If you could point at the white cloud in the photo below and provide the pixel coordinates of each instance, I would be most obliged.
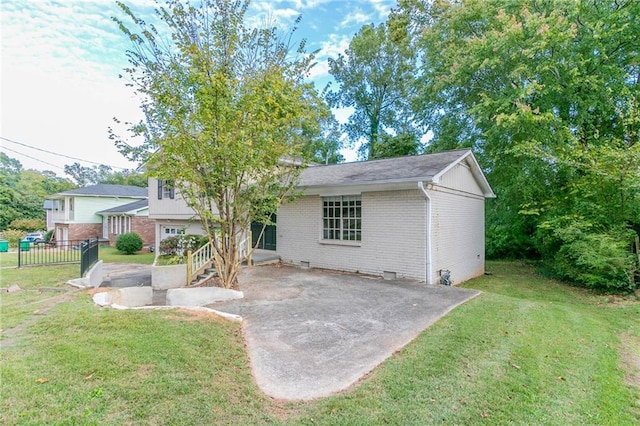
(263, 14)
(60, 86)
(335, 45)
(356, 17)
(382, 7)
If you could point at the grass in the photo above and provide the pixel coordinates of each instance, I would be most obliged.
(528, 351)
(112, 255)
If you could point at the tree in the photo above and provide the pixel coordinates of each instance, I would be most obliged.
(547, 94)
(324, 143)
(22, 192)
(225, 109)
(396, 146)
(92, 175)
(375, 77)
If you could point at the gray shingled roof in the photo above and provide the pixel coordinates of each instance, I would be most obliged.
(106, 190)
(125, 208)
(400, 169)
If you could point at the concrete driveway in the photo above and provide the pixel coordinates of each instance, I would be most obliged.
(311, 333)
(126, 275)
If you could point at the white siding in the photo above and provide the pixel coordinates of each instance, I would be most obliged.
(393, 235)
(461, 179)
(167, 208)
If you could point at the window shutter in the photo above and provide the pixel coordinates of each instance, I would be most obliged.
(160, 181)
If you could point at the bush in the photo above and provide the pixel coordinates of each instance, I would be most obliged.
(27, 225)
(129, 243)
(180, 244)
(13, 236)
(48, 235)
(598, 259)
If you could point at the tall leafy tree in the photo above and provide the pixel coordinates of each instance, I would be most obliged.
(92, 175)
(547, 93)
(226, 107)
(375, 77)
(22, 192)
(324, 141)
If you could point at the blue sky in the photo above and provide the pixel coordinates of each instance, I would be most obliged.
(61, 59)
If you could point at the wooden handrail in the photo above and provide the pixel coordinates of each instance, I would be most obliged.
(198, 260)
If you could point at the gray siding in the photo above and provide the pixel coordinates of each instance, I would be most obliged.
(393, 235)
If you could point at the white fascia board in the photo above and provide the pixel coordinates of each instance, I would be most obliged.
(358, 188)
(475, 170)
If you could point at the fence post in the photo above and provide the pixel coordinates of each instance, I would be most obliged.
(189, 266)
(19, 253)
(250, 248)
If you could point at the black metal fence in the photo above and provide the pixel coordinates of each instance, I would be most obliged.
(85, 252)
(89, 253)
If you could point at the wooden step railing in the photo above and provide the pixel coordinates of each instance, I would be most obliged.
(202, 258)
(198, 261)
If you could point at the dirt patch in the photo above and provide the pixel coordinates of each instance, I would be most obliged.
(630, 354)
(192, 315)
(96, 290)
(11, 336)
(145, 370)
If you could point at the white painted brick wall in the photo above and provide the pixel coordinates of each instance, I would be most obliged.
(393, 235)
(457, 235)
(394, 232)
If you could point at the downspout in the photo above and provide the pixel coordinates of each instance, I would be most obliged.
(428, 242)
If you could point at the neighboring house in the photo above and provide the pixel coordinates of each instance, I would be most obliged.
(48, 208)
(412, 217)
(75, 212)
(132, 217)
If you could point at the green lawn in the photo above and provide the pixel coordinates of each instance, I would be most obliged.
(528, 351)
(112, 255)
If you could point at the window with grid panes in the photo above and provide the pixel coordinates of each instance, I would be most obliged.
(342, 218)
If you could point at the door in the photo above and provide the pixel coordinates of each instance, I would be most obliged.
(268, 240)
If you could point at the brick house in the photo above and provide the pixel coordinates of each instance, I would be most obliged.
(413, 217)
(75, 213)
(131, 217)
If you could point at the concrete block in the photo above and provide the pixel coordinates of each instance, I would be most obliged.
(165, 277)
(95, 275)
(200, 296)
(128, 296)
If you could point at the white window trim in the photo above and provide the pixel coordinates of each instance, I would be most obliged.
(341, 230)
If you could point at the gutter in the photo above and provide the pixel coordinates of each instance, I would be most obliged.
(428, 242)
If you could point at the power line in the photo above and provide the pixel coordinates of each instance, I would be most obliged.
(55, 153)
(33, 158)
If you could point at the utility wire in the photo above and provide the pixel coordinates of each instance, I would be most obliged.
(55, 153)
(33, 158)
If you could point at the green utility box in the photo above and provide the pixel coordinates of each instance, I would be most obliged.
(4, 246)
(24, 245)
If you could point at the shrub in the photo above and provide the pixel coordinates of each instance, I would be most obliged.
(48, 235)
(591, 257)
(179, 244)
(129, 243)
(27, 225)
(13, 236)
